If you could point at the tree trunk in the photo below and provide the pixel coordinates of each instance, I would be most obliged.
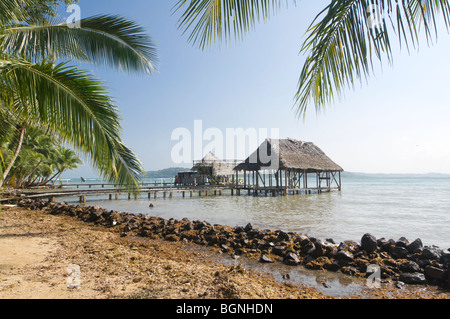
(56, 179)
(27, 179)
(19, 146)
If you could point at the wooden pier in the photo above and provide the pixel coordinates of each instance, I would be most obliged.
(299, 168)
(83, 192)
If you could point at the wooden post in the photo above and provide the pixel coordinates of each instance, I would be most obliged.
(110, 196)
(191, 193)
(245, 179)
(184, 195)
(340, 188)
(171, 195)
(117, 196)
(155, 196)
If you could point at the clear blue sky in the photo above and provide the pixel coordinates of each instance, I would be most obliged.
(396, 123)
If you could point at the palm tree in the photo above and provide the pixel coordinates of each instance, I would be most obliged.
(343, 41)
(66, 160)
(67, 101)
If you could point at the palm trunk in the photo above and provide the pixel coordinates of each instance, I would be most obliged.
(27, 179)
(19, 146)
(56, 179)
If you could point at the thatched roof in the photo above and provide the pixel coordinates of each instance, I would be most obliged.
(211, 158)
(217, 166)
(290, 154)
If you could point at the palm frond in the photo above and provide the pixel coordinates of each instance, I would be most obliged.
(344, 42)
(210, 21)
(104, 40)
(74, 105)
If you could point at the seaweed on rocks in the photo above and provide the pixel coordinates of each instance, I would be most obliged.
(409, 262)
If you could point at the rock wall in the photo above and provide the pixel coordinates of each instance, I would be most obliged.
(401, 260)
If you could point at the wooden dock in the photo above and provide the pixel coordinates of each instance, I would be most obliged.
(81, 192)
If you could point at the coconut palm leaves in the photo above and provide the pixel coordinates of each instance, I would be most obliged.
(211, 21)
(346, 38)
(65, 100)
(103, 40)
(343, 42)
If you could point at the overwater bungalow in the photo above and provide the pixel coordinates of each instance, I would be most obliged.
(288, 166)
(214, 169)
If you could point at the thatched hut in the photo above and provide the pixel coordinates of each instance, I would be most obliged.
(214, 168)
(286, 165)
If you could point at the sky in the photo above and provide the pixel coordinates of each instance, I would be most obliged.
(395, 122)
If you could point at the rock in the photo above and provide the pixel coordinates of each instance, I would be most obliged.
(320, 249)
(283, 236)
(400, 285)
(388, 245)
(402, 242)
(279, 250)
(248, 227)
(434, 273)
(413, 278)
(369, 243)
(308, 247)
(445, 259)
(344, 255)
(331, 251)
(432, 253)
(410, 267)
(382, 241)
(330, 240)
(399, 252)
(416, 244)
(291, 259)
(265, 259)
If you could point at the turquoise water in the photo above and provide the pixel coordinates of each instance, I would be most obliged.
(385, 206)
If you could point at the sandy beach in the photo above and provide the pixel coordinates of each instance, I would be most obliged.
(37, 248)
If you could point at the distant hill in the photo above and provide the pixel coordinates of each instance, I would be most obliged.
(166, 173)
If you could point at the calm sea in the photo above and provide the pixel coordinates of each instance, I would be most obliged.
(385, 206)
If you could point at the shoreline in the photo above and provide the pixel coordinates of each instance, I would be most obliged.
(39, 248)
(265, 246)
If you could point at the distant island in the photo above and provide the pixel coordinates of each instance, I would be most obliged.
(166, 173)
